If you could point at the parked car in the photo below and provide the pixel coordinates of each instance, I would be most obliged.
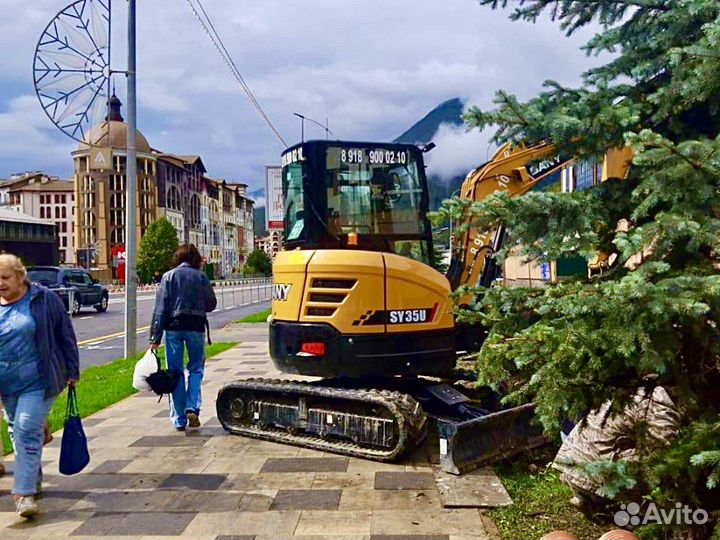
(86, 290)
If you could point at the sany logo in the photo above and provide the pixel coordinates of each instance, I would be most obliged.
(281, 291)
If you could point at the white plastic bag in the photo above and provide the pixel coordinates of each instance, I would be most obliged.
(144, 367)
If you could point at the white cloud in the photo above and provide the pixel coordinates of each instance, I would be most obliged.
(457, 151)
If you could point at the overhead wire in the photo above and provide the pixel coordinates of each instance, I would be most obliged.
(212, 33)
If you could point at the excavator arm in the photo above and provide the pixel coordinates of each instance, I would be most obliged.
(514, 170)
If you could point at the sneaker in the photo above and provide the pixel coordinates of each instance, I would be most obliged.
(26, 506)
(179, 428)
(2, 469)
(193, 420)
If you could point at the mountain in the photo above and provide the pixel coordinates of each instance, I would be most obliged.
(423, 131)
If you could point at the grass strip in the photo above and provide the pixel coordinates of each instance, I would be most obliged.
(540, 501)
(102, 386)
(259, 317)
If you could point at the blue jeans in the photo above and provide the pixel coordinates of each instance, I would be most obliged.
(186, 398)
(26, 414)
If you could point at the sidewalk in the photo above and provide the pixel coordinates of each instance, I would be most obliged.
(146, 481)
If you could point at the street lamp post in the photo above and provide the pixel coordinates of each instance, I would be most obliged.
(131, 196)
(302, 126)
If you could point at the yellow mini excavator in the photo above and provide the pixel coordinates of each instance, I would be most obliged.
(357, 303)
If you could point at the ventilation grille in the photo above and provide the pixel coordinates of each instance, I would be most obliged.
(326, 295)
(323, 283)
(321, 311)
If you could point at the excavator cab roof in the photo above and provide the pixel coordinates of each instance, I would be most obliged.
(345, 195)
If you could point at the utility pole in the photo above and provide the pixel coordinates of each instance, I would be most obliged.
(131, 196)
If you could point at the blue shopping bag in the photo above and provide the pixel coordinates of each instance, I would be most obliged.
(74, 455)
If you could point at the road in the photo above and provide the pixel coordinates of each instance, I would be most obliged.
(101, 335)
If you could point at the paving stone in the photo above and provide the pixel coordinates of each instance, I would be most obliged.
(222, 369)
(306, 499)
(465, 523)
(51, 500)
(111, 466)
(206, 431)
(233, 465)
(334, 523)
(87, 482)
(378, 499)
(126, 501)
(204, 501)
(168, 441)
(477, 489)
(300, 464)
(409, 537)
(344, 480)
(254, 482)
(92, 421)
(194, 481)
(258, 501)
(255, 362)
(44, 526)
(162, 414)
(404, 480)
(257, 373)
(136, 524)
(234, 537)
(271, 524)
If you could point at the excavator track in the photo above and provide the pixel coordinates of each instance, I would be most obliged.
(366, 423)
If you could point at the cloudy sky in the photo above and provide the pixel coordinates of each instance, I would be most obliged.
(372, 68)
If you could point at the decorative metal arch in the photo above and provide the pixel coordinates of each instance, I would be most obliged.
(71, 69)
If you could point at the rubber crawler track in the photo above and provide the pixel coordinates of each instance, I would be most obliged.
(409, 417)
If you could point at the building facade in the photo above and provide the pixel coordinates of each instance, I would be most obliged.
(270, 244)
(201, 209)
(46, 198)
(32, 239)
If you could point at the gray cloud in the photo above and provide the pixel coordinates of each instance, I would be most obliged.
(371, 68)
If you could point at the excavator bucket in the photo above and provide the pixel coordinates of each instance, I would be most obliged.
(469, 444)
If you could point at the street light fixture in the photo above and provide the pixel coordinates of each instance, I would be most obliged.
(302, 126)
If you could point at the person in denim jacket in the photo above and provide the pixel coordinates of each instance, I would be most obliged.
(184, 297)
(38, 358)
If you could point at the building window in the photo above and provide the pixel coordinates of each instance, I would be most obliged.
(64, 212)
(57, 212)
(42, 212)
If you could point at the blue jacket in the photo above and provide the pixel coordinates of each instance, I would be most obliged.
(56, 342)
(183, 291)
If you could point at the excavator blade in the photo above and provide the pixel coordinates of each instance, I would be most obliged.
(467, 445)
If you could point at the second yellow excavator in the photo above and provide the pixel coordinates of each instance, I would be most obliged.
(357, 302)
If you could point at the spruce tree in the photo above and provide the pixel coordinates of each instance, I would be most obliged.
(572, 346)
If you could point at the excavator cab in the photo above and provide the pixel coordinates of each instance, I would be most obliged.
(364, 196)
(355, 294)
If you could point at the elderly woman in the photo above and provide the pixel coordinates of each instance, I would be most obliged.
(184, 298)
(38, 358)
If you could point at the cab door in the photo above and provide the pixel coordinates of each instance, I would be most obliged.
(92, 291)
